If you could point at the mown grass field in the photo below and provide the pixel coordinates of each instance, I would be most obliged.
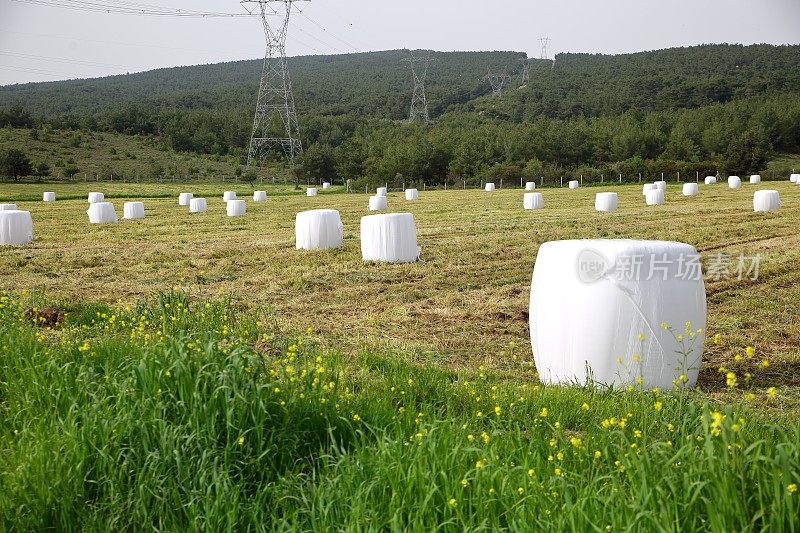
(312, 391)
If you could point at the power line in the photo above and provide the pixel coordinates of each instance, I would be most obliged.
(328, 32)
(122, 7)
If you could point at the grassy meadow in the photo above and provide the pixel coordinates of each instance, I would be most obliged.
(208, 376)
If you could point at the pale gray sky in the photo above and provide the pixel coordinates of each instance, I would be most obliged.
(44, 43)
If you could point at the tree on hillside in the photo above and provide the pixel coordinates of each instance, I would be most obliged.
(14, 163)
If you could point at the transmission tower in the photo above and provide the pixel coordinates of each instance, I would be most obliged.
(419, 102)
(275, 122)
(526, 70)
(497, 81)
(545, 41)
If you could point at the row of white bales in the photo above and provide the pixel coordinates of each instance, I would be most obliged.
(610, 316)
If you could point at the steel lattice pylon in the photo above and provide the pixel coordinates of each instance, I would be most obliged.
(526, 70)
(497, 81)
(419, 101)
(275, 122)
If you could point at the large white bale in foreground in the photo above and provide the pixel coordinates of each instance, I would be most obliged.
(16, 227)
(390, 238)
(133, 210)
(260, 196)
(319, 229)
(654, 197)
(237, 208)
(734, 182)
(691, 189)
(794, 178)
(755, 179)
(589, 310)
(489, 187)
(49, 197)
(710, 180)
(381, 191)
(326, 186)
(533, 200)
(412, 194)
(8, 207)
(95, 197)
(378, 203)
(229, 195)
(102, 213)
(648, 187)
(661, 185)
(184, 198)
(606, 202)
(530, 185)
(311, 191)
(198, 205)
(574, 184)
(767, 200)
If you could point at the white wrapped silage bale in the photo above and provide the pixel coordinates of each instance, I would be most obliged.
(102, 213)
(390, 238)
(533, 200)
(489, 187)
(767, 200)
(198, 205)
(49, 197)
(95, 197)
(734, 182)
(755, 179)
(574, 184)
(319, 229)
(8, 207)
(412, 194)
(710, 180)
(326, 186)
(260, 196)
(592, 321)
(184, 198)
(229, 195)
(648, 187)
(606, 202)
(691, 189)
(378, 203)
(661, 185)
(133, 211)
(16, 227)
(654, 197)
(381, 191)
(237, 208)
(530, 185)
(794, 178)
(311, 191)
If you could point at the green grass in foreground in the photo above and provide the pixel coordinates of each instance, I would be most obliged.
(181, 415)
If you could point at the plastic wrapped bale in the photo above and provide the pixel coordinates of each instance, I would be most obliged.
(794, 178)
(648, 187)
(755, 179)
(661, 185)
(311, 191)
(229, 195)
(237, 208)
(412, 194)
(184, 198)
(734, 182)
(595, 317)
(198, 205)
(489, 187)
(381, 191)
(654, 197)
(530, 185)
(49, 197)
(768, 200)
(378, 203)
(96, 197)
(260, 196)
(326, 186)
(710, 180)
(16, 227)
(532, 200)
(8, 207)
(102, 213)
(320, 229)
(606, 202)
(390, 238)
(574, 184)
(133, 210)
(691, 189)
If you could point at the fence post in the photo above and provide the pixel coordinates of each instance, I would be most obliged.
(620, 177)
(562, 181)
